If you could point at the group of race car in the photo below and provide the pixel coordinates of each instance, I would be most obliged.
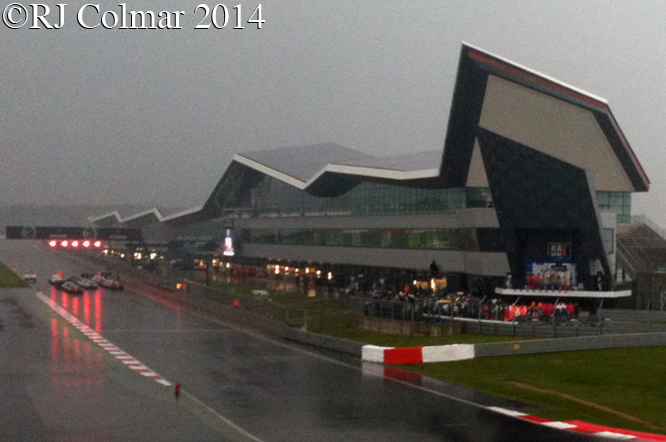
(78, 284)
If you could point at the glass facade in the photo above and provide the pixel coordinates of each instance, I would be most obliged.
(441, 239)
(620, 203)
(256, 194)
(271, 197)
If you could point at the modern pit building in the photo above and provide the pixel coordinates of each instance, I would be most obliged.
(532, 181)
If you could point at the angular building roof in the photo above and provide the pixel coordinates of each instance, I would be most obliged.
(303, 166)
(539, 112)
(299, 164)
(492, 95)
(145, 217)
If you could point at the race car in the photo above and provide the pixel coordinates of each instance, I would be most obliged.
(30, 277)
(111, 284)
(71, 287)
(86, 283)
(56, 280)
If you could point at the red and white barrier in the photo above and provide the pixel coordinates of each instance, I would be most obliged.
(373, 353)
(445, 353)
(417, 355)
(583, 427)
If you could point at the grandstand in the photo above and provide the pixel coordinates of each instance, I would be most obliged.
(641, 257)
(641, 246)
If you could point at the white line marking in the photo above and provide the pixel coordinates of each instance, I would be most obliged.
(222, 418)
(559, 425)
(107, 346)
(507, 412)
(612, 435)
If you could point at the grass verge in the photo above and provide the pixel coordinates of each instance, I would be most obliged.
(627, 381)
(9, 279)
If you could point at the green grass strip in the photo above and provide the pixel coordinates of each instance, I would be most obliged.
(627, 380)
(9, 279)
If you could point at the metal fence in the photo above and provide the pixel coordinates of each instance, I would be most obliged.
(403, 311)
(605, 322)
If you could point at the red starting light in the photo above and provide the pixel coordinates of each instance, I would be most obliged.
(98, 244)
(64, 243)
(86, 243)
(75, 243)
(53, 243)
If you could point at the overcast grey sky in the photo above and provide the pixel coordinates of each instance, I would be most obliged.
(154, 116)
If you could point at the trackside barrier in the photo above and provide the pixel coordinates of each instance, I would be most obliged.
(354, 348)
(458, 352)
(404, 355)
(373, 353)
(635, 315)
(560, 331)
(418, 355)
(570, 344)
(455, 352)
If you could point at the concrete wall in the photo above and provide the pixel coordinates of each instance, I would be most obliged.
(354, 348)
(562, 331)
(635, 315)
(569, 344)
(407, 328)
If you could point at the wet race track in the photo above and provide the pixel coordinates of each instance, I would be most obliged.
(59, 385)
